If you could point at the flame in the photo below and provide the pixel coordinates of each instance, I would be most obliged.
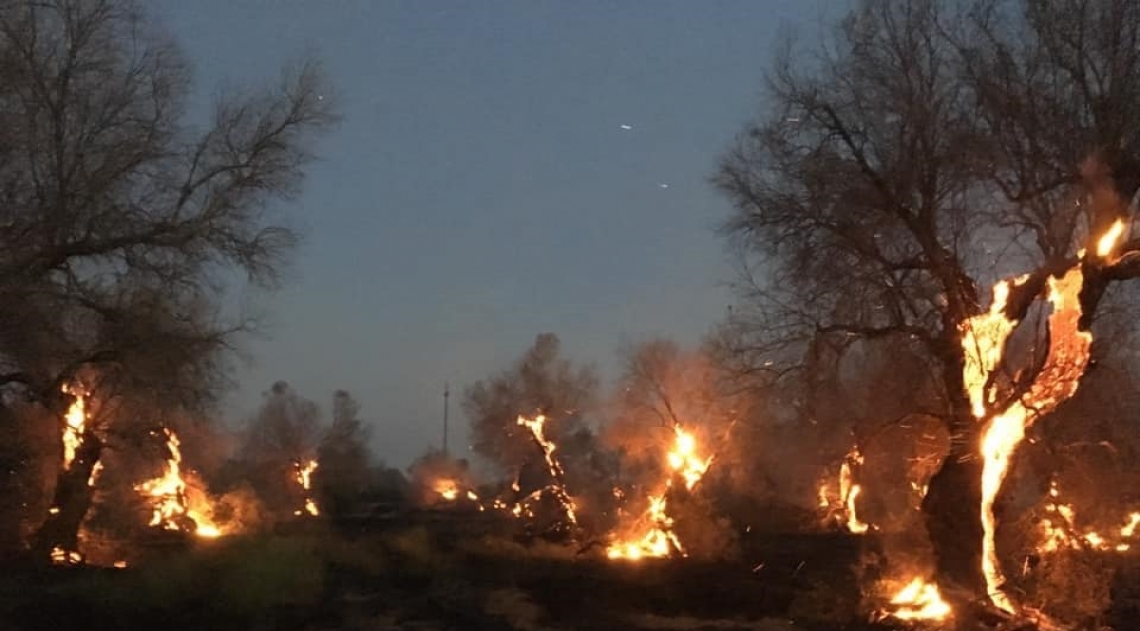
(556, 487)
(172, 502)
(447, 489)
(983, 342)
(659, 540)
(683, 460)
(843, 509)
(74, 421)
(305, 479)
(849, 491)
(59, 556)
(1107, 243)
(919, 600)
(1060, 529)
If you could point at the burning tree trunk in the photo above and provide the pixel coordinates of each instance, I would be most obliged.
(70, 502)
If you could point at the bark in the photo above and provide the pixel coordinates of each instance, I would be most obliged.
(953, 522)
(73, 498)
(951, 508)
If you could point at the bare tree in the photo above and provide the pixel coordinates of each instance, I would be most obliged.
(120, 225)
(929, 149)
(539, 382)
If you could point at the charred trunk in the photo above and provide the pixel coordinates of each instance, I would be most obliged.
(952, 506)
(953, 521)
(70, 502)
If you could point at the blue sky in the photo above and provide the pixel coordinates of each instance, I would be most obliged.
(481, 188)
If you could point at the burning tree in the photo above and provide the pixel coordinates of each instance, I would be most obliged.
(672, 420)
(280, 449)
(539, 382)
(119, 221)
(930, 149)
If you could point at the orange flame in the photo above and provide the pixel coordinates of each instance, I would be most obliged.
(844, 508)
(1058, 380)
(59, 556)
(74, 421)
(305, 479)
(659, 540)
(1107, 243)
(172, 502)
(556, 488)
(1060, 529)
(919, 600)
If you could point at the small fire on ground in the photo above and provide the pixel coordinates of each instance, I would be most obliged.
(658, 539)
(918, 601)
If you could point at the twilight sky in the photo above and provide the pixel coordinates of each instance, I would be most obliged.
(481, 188)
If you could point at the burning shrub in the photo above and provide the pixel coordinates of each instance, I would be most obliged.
(437, 479)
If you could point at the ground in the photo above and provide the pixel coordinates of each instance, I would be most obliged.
(441, 575)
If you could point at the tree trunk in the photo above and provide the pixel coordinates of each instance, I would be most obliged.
(952, 506)
(951, 510)
(73, 498)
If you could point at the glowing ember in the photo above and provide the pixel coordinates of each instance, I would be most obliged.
(59, 556)
(1060, 530)
(304, 478)
(74, 422)
(919, 600)
(556, 487)
(172, 503)
(659, 540)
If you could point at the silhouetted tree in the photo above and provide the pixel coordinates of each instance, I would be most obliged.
(928, 149)
(119, 222)
(344, 457)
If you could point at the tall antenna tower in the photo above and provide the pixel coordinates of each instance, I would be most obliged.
(446, 394)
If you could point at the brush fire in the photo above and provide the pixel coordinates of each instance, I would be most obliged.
(658, 539)
(177, 504)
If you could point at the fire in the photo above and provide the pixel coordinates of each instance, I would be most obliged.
(305, 479)
(447, 489)
(683, 459)
(983, 340)
(59, 556)
(844, 508)
(919, 600)
(1107, 242)
(849, 491)
(74, 422)
(556, 488)
(659, 540)
(172, 502)
(1060, 530)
